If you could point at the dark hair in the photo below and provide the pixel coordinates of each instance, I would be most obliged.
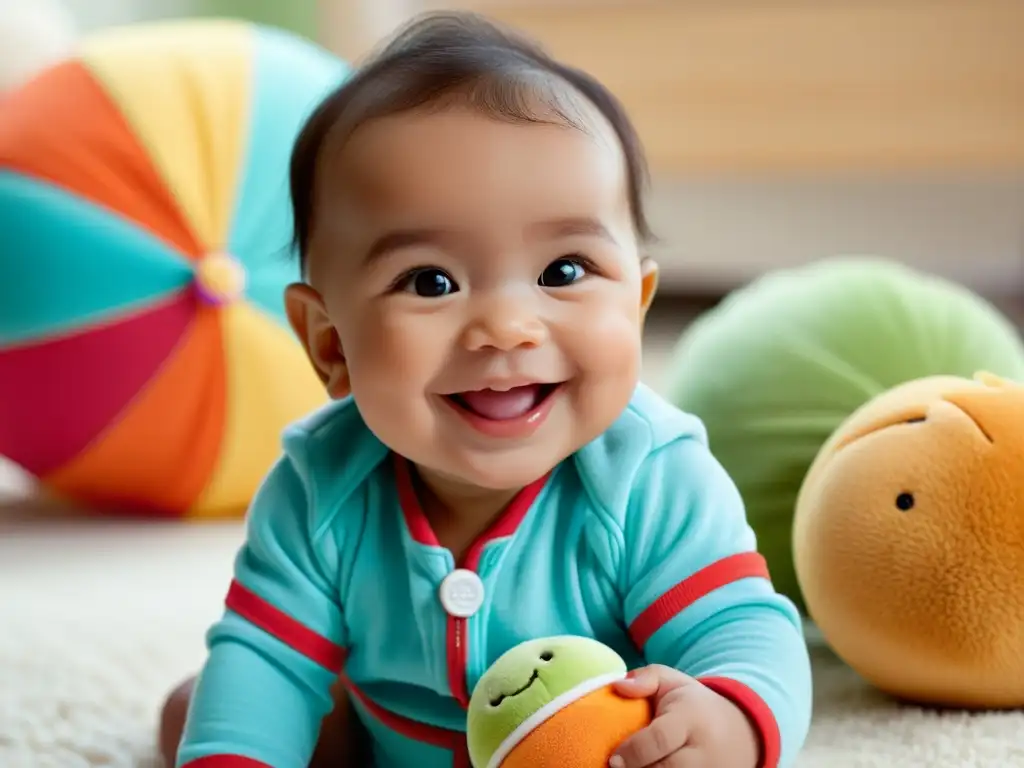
(444, 56)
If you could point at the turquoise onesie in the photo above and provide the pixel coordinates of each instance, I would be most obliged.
(638, 540)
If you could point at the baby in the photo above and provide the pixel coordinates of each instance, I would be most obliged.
(470, 221)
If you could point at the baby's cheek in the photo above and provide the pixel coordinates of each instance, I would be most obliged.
(392, 405)
(387, 353)
(609, 343)
(381, 379)
(607, 356)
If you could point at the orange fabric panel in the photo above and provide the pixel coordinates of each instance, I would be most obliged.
(63, 128)
(583, 735)
(269, 384)
(167, 442)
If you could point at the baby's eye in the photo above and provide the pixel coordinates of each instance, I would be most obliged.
(562, 272)
(429, 282)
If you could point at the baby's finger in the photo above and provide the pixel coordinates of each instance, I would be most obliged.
(657, 741)
(654, 680)
(640, 686)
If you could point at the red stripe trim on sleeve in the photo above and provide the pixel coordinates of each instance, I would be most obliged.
(758, 712)
(410, 729)
(415, 730)
(744, 565)
(280, 625)
(226, 761)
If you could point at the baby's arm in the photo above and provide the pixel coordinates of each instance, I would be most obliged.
(698, 597)
(278, 648)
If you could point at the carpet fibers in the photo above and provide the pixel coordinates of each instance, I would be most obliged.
(98, 620)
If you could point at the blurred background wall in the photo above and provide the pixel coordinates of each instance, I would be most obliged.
(779, 131)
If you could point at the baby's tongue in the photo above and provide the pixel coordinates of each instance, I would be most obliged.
(499, 406)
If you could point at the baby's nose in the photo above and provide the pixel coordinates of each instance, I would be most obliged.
(505, 325)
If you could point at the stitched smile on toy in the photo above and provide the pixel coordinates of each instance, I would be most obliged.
(545, 657)
(496, 702)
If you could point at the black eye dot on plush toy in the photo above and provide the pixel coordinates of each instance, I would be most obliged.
(905, 501)
(547, 656)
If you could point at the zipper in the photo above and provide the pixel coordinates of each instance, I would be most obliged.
(457, 659)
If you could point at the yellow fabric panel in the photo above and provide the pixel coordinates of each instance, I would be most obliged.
(185, 89)
(270, 383)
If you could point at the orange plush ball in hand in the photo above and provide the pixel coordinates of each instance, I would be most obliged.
(550, 703)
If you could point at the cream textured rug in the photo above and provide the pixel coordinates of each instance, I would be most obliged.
(98, 620)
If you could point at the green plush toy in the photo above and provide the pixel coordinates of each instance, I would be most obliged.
(550, 702)
(779, 365)
(299, 16)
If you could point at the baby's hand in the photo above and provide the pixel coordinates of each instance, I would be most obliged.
(693, 727)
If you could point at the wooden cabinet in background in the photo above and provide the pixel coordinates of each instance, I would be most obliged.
(781, 131)
(789, 85)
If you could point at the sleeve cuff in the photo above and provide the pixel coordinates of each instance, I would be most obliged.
(755, 709)
(225, 761)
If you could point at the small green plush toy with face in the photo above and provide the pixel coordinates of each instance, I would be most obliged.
(550, 702)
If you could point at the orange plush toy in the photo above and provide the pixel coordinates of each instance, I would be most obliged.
(549, 703)
(909, 541)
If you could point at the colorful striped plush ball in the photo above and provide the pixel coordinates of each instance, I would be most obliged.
(146, 364)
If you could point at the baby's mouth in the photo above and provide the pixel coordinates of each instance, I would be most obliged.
(504, 405)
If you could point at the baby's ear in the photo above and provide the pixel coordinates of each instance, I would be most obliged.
(648, 283)
(311, 323)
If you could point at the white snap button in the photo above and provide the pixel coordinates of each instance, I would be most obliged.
(462, 593)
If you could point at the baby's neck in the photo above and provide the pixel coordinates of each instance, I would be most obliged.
(459, 513)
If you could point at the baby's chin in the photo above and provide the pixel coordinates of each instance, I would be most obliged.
(506, 470)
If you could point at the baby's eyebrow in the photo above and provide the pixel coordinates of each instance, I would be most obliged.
(551, 229)
(571, 226)
(398, 239)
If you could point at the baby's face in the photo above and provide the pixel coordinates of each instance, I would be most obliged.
(484, 285)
